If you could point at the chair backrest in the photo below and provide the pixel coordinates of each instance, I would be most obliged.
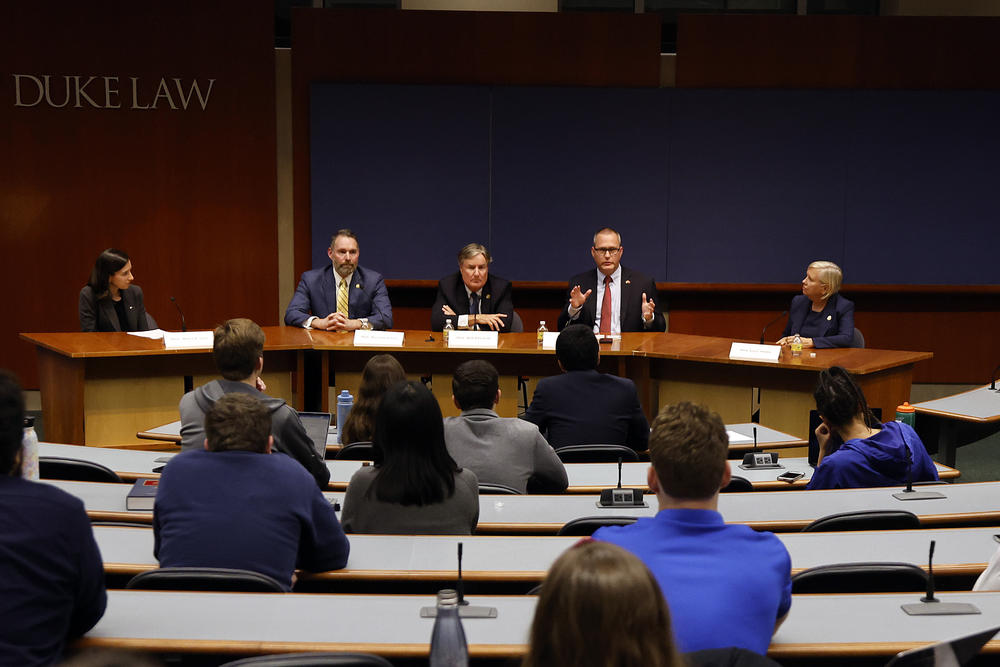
(312, 660)
(150, 321)
(585, 526)
(498, 489)
(78, 470)
(860, 578)
(516, 325)
(865, 520)
(858, 339)
(357, 451)
(732, 656)
(737, 484)
(205, 579)
(596, 454)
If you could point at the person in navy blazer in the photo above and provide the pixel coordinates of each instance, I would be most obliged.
(109, 301)
(583, 406)
(314, 304)
(820, 315)
(633, 292)
(454, 295)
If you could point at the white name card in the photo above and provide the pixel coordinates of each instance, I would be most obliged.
(482, 339)
(754, 352)
(549, 340)
(735, 438)
(369, 338)
(188, 340)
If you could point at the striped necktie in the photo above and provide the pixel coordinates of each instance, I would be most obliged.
(342, 297)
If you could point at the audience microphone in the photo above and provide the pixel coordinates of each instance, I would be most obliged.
(993, 378)
(619, 497)
(181, 312)
(619, 472)
(758, 459)
(768, 325)
(188, 379)
(932, 606)
(908, 493)
(460, 587)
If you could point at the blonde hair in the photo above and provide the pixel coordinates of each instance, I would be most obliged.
(830, 275)
(600, 606)
(472, 250)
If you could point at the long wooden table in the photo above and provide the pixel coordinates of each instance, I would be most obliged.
(105, 387)
(390, 625)
(959, 551)
(964, 504)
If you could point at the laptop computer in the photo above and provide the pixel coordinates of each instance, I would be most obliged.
(949, 653)
(317, 426)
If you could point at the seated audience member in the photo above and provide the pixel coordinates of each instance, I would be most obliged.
(612, 298)
(109, 301)
(854, 448)
(343, 296)
(726, 585)
(415, 487)
(233, 505)
(472, 298)
(381, 372)
(600, 606)
(583, 406)
(239, 355)
(51, 573)
(820, 315)
(500, 450)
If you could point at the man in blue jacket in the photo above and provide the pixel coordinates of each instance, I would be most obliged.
(343, 296)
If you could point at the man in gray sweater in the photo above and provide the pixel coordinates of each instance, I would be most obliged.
(500, 450)
(238, 350)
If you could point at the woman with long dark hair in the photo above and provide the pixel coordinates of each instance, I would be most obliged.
(109, 301)
(381, 372)
(415, 487)
(600, 606)
(855, 450)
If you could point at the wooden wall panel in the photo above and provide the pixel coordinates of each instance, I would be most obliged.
(188, 193)
(874, 52)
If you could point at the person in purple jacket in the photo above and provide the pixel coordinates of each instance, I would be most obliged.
(820, 315)
(855, 450)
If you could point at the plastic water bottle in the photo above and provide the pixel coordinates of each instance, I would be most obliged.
(29, 450)
(541, 332)
(344, 404)
(797, 346)
(448, 647)
(448, 328)
(906, 414)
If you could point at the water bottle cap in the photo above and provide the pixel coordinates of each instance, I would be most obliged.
(542, 322)
(905, 407)
(345, 394)
(447, 597)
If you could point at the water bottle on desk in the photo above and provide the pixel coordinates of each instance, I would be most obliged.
(541, 332)
(448, 328)
(344, 404)
(29, 450)
(906, 414)
(448, 647)
(797, 346)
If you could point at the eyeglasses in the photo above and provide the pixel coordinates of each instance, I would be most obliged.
(607, 251)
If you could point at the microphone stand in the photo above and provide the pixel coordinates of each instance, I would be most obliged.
(188, 379)
(755, 413)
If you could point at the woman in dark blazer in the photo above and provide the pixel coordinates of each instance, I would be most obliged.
(109, 301)
(820, 316)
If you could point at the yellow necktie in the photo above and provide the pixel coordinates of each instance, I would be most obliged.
(342, 297)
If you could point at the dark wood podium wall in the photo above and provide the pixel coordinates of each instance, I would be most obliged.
(189, 194)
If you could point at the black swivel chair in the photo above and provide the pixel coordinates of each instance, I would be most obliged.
(858, 339)
(737, 484)
(204, 579)
(585, 526)
(865, 520)
(77, 470)
(596, 454)
(312, 660)
(357, 451)
(497, 489)
(860, 578)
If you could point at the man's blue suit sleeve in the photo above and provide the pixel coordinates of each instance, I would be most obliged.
(381, 315)
(298, 310)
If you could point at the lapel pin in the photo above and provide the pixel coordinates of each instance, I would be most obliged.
(487, 296)
(628, 282)
(829, 317)
(357, 285)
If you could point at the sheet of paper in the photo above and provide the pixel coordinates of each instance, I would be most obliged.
(737, 438)
(154, 334)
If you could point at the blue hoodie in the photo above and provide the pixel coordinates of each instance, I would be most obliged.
(880, 460)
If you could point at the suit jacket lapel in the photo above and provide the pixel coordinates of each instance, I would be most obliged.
(329, 292)
(624, 292)
(131, 314)
(108, 309)
(591, 303)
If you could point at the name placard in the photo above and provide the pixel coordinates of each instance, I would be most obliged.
(754, 352)
(479, 339)
(188, 340)
(549, 340)
(369, 338)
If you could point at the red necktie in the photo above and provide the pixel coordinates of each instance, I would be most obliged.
(606, 307)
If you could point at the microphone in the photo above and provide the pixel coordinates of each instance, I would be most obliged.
(993, 378)
(460, 587)
(619, 497)
(188, 379)
(932, 606)
(908, 493)
(619, 472)
(758, 459)
(768, 325)
(181, 312)
(465, 610)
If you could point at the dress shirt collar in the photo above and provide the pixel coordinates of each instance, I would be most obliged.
(337, 279)
(616, 278)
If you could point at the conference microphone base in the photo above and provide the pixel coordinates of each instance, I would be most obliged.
(918, 495)
(937, 608)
